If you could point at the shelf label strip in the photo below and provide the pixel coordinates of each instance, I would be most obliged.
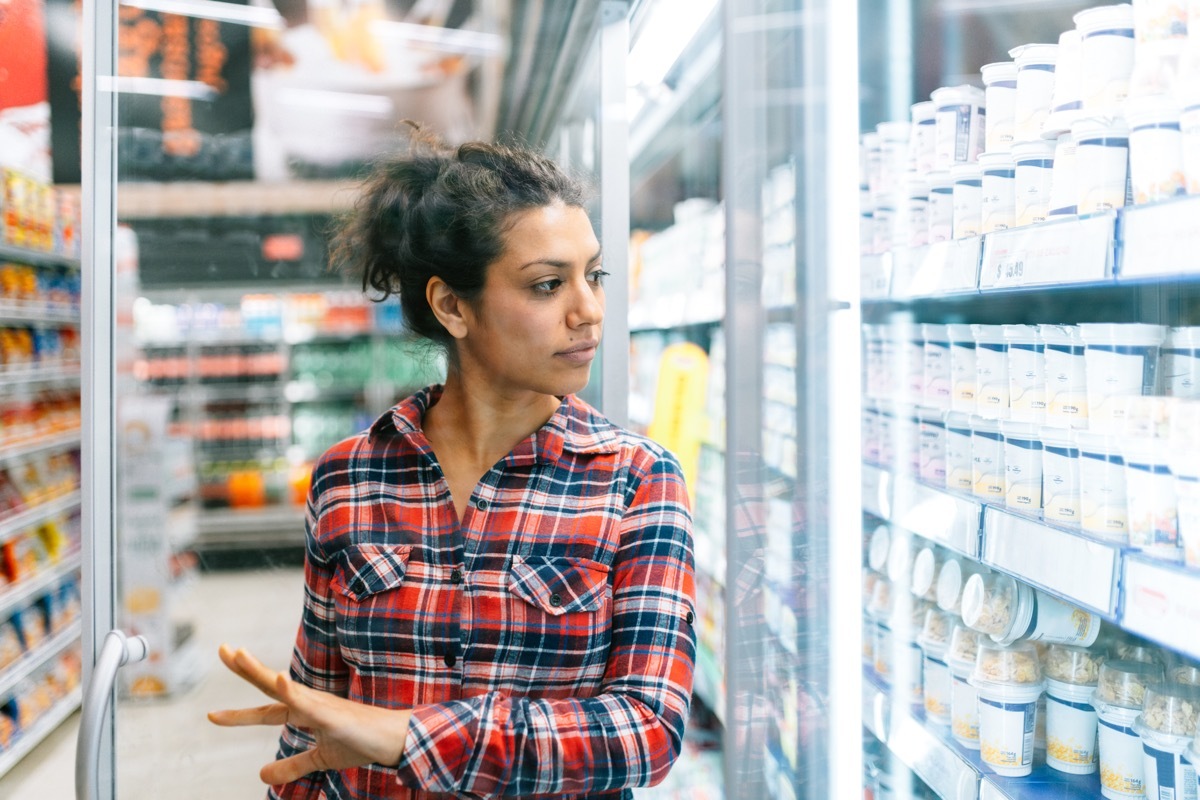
(1073, 251)
(1161, 239)
(936, 515)
(1162, 602)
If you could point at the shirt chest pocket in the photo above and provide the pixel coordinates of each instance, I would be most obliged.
(373, 588)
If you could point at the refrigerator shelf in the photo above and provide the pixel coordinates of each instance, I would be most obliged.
(27, 518)
(24, 743)
(39, 315)
(950, 520)
(16, 594)
(1161, 601)
(43, 445)
(38, 657)
(37, 258)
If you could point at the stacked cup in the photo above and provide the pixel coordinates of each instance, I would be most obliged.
(1009, 681)
(1071, 721)
(1118, 700)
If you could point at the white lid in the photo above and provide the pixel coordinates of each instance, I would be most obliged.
(926, 109)
(1060, 334)
(871, 140)
(1038, 53)
(1135, 333)
(933, 416)
(924, 571)
(1151, 109)
(949, 585)
(1034, 148)
(1022, 431)
(899, 562)
(1098, 443)
(997, 618)
(1022, 334)
(993, 334)
(998, 71)
(984, 424)
(1188, 337)
(996, 159)
(1008, 670)
(939, 179)
(1057, 437)
(895, 131)
(965, 171)
(917, 184)
(1069, 39)
(958, 419)
(935, 332)
(957, 95)
(1099, 126)
(1105, 17)
(1145, 451)
(877, 553)
(960, 333)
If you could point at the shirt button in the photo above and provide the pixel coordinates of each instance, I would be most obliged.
(556, 599)
(482, 505)
(456, 576)
(450, 659)
(690, 618)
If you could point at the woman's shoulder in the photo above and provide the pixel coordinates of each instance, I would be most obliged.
(587, 429)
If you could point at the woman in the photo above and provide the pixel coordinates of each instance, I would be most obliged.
(499, 593)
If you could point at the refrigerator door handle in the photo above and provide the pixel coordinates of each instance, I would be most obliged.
(118, 650)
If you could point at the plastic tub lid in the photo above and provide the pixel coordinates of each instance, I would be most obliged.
(877, 552)
(894, 131)
(1185, 672)
(1171, 709)
(926, 109)
(992, 160)
(934, 332)
(1060, 334)
(957, 95)
(925, 571)
(1188, 337)
(1151, 109)
(1008, 669)
(966, 171)
(1133, 333)
(939, 179)
(998, 71)
(1021, 431)
(964, 647)
(959, 332)
(1022, 334)
(1035, 53)
(1057, 437)
(1079, 666)
(990, 603)
(988, 333)
(1124, 683)
(984, 424)
(949, 585)
(1040, 149)
(1103, 17)
(1099, 126)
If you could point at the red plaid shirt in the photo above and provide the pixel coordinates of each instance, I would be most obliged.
(545, 640)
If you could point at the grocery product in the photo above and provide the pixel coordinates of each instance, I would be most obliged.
(959, 465)
(1167, 726)
(1066, 102)
(1009, 681)
(1121, 360)
(1035, 88)
(1022, 465)
(1064, 179)
(1101, 163)
(1034, 180)
(968, 200)
(936, 366)
(933, 447)
(941, 207)
(922, 139)
(1103, 503)
(990, 602)
(964, 698)
(991, 371)
(1071, 721)
(1155, 148)
(963, 377)
(1107, 54)
(1000, 94)
(926, 566)
(1152, 507)
(999, 183)
(934, 639)
(959, 125)
(1060, 476)
(987, 459)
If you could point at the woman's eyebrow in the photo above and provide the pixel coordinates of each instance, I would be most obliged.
(556, 263)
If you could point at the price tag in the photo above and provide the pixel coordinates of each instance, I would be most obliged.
(1162, 602)
(876, 283)
(1161, 239)
(1071, 251)
(936, 515)
(1036, 552)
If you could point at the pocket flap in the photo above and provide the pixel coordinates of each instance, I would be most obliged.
(559, 585)
(372, 568)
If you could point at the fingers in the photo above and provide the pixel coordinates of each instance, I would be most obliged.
(290, 769)
(250, 669)
(271, 714)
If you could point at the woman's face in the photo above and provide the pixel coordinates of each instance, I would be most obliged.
(537, 324)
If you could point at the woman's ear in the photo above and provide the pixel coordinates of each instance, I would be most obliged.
(449, 308)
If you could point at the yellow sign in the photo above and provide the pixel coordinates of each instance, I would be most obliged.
(678, 423)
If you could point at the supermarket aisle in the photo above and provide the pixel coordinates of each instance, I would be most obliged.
(259, 609)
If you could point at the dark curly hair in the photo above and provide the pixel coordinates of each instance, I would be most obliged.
(442, 211)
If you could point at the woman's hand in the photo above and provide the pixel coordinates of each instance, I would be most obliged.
(348, 734)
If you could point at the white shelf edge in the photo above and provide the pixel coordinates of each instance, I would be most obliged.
(943, 517)
(37, 258)
(23, 590)
(38, 657)
(18, 378)
(39, 513)
(27, 741)
(1155, 597)
(64, 441)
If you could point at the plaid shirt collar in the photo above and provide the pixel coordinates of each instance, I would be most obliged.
(575, 427)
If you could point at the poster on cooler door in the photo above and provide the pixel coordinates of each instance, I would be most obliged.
(24, 98)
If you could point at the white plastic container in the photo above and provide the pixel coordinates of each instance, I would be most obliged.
(963, 377)
(1026, 373)
(870, 434)
(1064, 182)
(941, 207)
(1189, 129)
(1103, 504)
(1067, 102)
(1101, 163)
(908, 442)
(959, 464)
(1022, 466)
(1000, 91)
(987, 460)
(958, 125)
(879, 547)
(926, 565)
(914, 363)
(1150, 497)
(887, 437)
(1118, 699)
(998, 204)
(885, 220)
(1035, 88)
(964, 699)
(918, 210)
(1034, 180)
(922, 141)
(991, 371)
(1066, 376)
(937, 366)
(934, 639)
(1185, 466)
(1060, 477)
(968, 200)
(993, 603)
(1167, 726)
(1009, 682)
(893, 150)
(1155, 148)
(872, 149)
(1071, 721)
(1180, 363)
(933, 447)
(1107, 56)
(1121, 360)
(1161, 28)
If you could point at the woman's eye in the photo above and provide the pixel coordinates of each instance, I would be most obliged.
(597, 277)
(547, 287)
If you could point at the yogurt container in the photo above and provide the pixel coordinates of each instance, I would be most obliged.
(941, 207)
(1000, 92)
(1035, 88)
(1107, 54)
(1034, 180)
(968, 200)
(1060, 477)
(1022, 466)
(936, 391)
(1186, 470)
(963, 386)
(922, 140)
(991, 371)
(959, 463)
(1189, 130)
(1007, 610)
(1064, 182)
(1183, 670)
(1103, 505)
(884, 650)
(1180, 362)
(870, 434)
(934, 639)
(926, 565)
(914, 363)
(1121, 360)
(885, 220)
(1101, 163)
(1009, 681)
(1161, 28)
(893, 147)
(1150, 498)
(1065, 376)
(1167, 726)
(901, 552)
(886, 420)
(872, 159)
(918, 210)
(879, 547)
(1118, 700)
(987, 460)
(991, 603)
(958, 125)
(1067, 101)
(1026, 373)
(933, 447)
(880, 607)
(999, 200)
(1129, 649)
(964, 699)
(1071, 721)
(950, 581)
(1155, 148)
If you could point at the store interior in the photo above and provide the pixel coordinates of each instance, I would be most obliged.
(911, 293)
